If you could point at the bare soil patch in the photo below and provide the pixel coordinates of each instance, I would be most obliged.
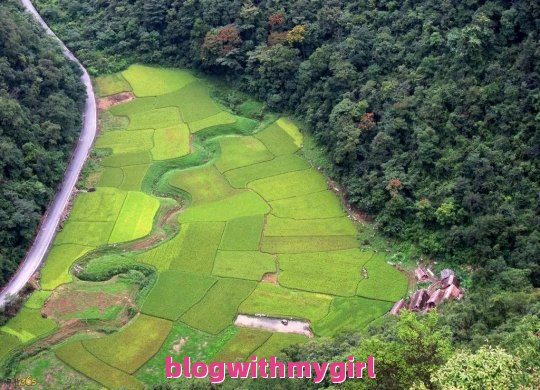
(113, 100)
(270, 277)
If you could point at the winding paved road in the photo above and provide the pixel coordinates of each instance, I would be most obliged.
(51, 219)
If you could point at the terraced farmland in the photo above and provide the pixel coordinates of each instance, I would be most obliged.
(197, 215)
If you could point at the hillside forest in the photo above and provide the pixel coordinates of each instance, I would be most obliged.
(41, 101)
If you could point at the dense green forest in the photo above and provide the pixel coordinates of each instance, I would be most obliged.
(429, 113)
(40, 118)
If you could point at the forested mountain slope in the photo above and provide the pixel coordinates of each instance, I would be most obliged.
(428, 109)
(40, 112)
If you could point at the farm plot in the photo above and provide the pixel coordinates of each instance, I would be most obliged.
(240, 177)
(277, 343)
(162, 255)
(350, 314)
(194, 102)
(199, 247)
(133, 345)
(155, 119)
(127, 178)
(92, 234)
(127, 141)
(56, 269)
(103, 205)
(204, 184)
(136, 217)
(336, 272)
(8, 343)
(242, 345)
(324, 204)
(277, 301)
(127, 159)
(75, 355)
(241, 151)
(383, 282)
(292, 130)
(171, 142)
(175, 292)
(277, 140)
(28, 325)
(301, 244)
(37, 299)
(112, 84)
(216, 311)
(133, 107)
(184, 340)
(244, 204)
(251, 265)
(288, 185)
(340, 226)
(243, 234)
(222, 118)
(152, 81)
(110, 122)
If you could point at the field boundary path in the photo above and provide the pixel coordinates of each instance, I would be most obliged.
(53, 215)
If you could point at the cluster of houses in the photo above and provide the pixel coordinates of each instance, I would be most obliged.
(440, 289)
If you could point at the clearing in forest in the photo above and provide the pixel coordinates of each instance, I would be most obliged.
(259, 233)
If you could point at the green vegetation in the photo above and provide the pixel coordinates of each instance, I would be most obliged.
(323, 204)
(162, 255)
(292, 244)
(37, 299)
(304, 271)
(126, 142)
(277, 342)
(242, 345)
(349, 314)
(90, 206)
(243, 234)
(203, 184)
(126, 349)
(183, 341)
(243, 264)
(112, 84)
(41, 99)
(56, 269)
(240, 177)
(157, 118)
(175, 292)
(85, 233)
(171, 142)
(8, 342)
(222, 118)
(340, 226)
(427, 113)
(75, 355)
(241, 151)
(241, 205)
(151, 81)
(394, 286)
(277, 140)
(277, 301)
(136, 217)
(193, 256)
(28, 325)
(217, 310)
(289, 185)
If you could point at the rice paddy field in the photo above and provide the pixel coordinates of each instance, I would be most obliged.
(197, 215)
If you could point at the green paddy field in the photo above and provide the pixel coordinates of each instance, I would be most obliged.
(198, 215)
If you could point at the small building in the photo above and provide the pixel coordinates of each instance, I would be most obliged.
(398, 306)
(435, 298)
(419, 300)
(451, 280)
(446, 273)
(452, 292)
(421, 274)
